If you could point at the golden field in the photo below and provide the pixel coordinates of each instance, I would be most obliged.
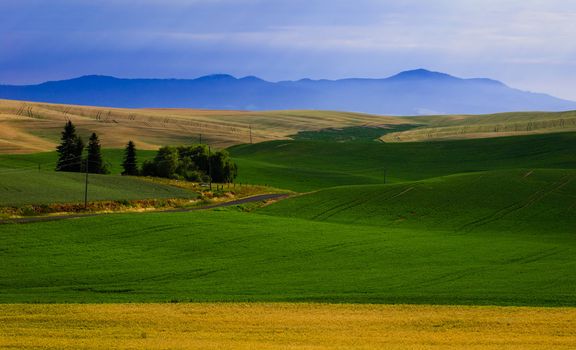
(457, 127)
(284, 326)
(28, 127)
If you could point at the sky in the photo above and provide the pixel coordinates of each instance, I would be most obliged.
(528, 44)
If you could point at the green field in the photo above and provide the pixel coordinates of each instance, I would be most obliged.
(473, 222)
(523, 201)
(310, 165)
(31, 179)
(47, 160)
(231, 256)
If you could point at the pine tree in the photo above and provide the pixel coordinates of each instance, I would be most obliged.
(130, 163)
(94, 159)
(70, 150)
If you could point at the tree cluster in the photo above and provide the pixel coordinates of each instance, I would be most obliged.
(192, 163)
(71, 149)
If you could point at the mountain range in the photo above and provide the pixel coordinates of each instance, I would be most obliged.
(415, 92)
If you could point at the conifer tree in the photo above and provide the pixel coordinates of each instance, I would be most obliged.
(130, 162)
(70, 150)
(94, 160)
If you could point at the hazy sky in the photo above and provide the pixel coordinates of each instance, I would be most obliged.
(529, 44)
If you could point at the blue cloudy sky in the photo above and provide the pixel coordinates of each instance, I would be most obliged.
(530, 44)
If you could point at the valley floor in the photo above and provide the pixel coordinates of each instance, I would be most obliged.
(284, 326)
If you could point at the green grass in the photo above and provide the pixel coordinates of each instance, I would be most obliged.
(520, 201)
(352, 133)
(17, 189)
(311, 165)
(230, 256)
(23, 182)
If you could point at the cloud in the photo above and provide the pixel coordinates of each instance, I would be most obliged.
(283, 39)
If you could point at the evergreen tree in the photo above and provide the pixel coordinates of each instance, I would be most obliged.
(70, 150)
(130, 163)
(94, 158)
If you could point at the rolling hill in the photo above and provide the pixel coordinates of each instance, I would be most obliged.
(27, 127)
(307, 165)
(407, 93)
(245, 257)
(35, 127)
(519, 201)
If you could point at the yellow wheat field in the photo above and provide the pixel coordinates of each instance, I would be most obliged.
(284, 326)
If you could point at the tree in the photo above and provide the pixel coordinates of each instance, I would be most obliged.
(130, 163)
(164, 164)
(192, 163)
(94, 160)
(222, 168)
(70, 150)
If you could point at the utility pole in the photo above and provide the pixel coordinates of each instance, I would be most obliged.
(250, 127)
(210, 167)
(200, 138)
(86, 187)
(384, 176)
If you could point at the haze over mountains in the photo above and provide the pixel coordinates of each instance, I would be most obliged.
(413, 92)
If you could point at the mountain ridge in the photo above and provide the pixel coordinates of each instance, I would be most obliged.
(412, 92)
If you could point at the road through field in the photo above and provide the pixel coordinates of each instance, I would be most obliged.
(252, 199)
(284, 326)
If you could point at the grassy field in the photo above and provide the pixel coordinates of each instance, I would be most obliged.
(46, 161)
(476, 237)
(522, 201)
(22, 188)
(285, 326)
(310, 165)
(30, 179)
(233, 256)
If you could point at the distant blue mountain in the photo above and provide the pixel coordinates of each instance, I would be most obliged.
(412, 92)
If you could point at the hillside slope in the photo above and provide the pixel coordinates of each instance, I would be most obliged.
(34, 127)
(229, 256)
(27, 127)
(521, 201)
(311, 165)
(455, 127)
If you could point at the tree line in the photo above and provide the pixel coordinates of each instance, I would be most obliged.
(192, 163)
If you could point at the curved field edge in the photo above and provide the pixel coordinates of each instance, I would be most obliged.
(271, 326)
(233, 256)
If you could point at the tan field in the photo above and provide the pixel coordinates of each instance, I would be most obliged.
(284, 326)
(27, 127)
(456, 127)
